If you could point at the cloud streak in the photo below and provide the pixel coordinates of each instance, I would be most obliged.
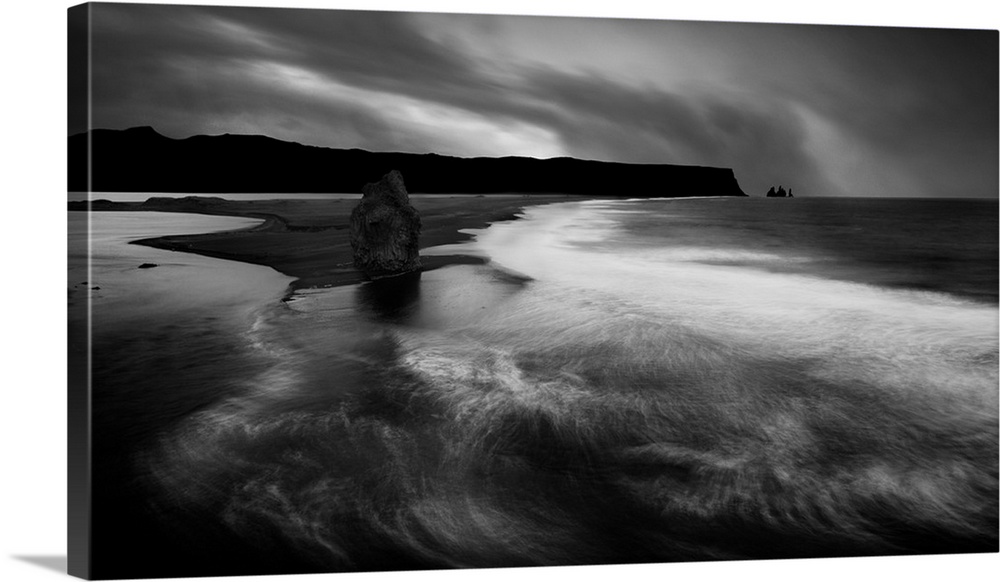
(827, 110)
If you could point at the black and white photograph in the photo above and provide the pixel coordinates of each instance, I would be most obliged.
(409, 290)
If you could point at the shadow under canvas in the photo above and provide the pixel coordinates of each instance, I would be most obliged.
(54, 563)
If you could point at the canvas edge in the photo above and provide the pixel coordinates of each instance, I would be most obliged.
(79, 485)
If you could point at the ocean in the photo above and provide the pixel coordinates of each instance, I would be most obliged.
(622, 381)
(127, 297)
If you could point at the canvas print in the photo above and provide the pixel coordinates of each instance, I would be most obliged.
(369, 291)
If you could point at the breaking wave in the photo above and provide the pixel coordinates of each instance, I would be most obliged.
(619, 402)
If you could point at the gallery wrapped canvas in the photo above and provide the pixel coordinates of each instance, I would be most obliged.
(356, 291)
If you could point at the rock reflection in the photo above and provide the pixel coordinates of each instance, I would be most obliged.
(394, 299)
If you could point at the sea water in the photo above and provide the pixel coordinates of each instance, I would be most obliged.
(104, 268)
(623, 381)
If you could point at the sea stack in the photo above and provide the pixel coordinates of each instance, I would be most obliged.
(385, 230)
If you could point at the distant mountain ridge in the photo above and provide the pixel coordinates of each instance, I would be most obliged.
(142, 160)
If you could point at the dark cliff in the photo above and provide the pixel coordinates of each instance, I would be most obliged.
(142, 160)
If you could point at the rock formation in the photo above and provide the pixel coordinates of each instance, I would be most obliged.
(780, 193)
(385, 230)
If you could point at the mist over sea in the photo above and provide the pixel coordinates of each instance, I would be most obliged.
(624, 381)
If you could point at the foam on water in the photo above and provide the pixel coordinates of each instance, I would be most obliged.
(851, 326)
(630, 402)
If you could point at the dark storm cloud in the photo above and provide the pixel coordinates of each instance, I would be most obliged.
(376, 50)
(175, 56)
(190, 70)
(921, 102)
(600, 119)
(831, 110)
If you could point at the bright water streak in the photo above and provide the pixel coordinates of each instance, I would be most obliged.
(900, 339)
(608, 395)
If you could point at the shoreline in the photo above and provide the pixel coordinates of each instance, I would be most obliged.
(308, 239)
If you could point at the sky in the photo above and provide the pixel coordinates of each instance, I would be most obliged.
(824, 110)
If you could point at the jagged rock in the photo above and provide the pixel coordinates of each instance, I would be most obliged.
(385, 229)
(780, 193)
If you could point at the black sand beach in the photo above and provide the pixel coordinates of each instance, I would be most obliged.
(308, 239)
(668, 385)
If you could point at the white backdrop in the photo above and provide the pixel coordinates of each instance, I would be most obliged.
(33, 474)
